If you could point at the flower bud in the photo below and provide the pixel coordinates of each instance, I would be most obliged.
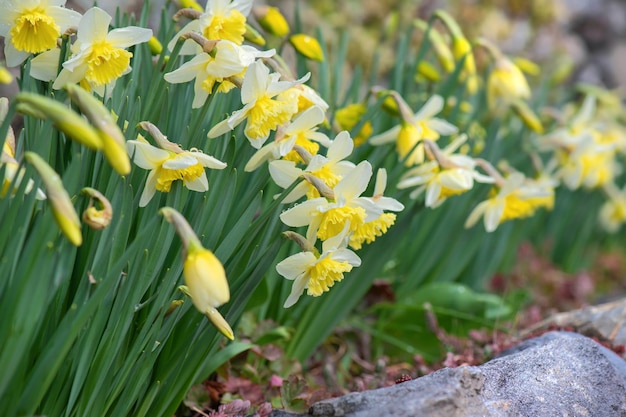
(110, 134)
(63, 118)
(97, 218)
(60, 203)
(271, 20)
(155, 46)
(308, 46)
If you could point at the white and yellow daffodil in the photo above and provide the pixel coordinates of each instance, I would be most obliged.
(447, 174)
(330, 169)
(302, 131)
(261, 111)
(515, 199)
(169, 163)
(327, 217)
(221, 20)
(226, 60)
(317, 272)
(415, 128)
(33, 26)
(369, 231)
(99, 57)
(612, 214)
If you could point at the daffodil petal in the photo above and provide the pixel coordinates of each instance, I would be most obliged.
(145, 155)
(295, 265)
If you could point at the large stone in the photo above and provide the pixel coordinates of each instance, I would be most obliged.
(558, 374)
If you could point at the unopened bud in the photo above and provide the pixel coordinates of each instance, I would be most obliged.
(308, 46)
(62, 208)
(97, 217)
(271, 20)
(63, 118)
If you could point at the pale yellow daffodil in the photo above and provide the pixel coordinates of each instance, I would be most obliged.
(33, 26)
(99, 57)
(169, 163)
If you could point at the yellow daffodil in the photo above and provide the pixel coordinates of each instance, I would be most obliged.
(330, 169)
(169, 163)
(302, 132)
(204, 274)
(317, 272)
(514, 199)
(99, 57)
(226, 60)
(612, 214)
(414, 128)
(33, 26)
(327, 217)
(445, 175)
(369, 231)
(221, 20)
(261, 111)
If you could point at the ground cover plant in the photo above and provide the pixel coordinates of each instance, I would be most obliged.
(229, 175)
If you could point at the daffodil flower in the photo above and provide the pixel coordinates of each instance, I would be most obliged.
(169, 163)
(515, 199)
(369, 231)
(413, 129)
(447, 174)
(99, 57)
(318, 272)
(33, 26)
(262, 112)
(221, 20)
(226, 60)
(302, 131)
(326, 217)
(305, 96)
(330, 169)
(612, 214)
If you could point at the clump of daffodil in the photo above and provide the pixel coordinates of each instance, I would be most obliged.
(348, 117)
(204, 274)
(461, 50)
(33, 26)
(415, 128)
(506, 82)
(99, 57)
(329, 169)
(111, 136)
(445, 174)
(302, 132)
(512, 198)
(62, 209)
(62, 117)
(97, 216)
(612, 214)
(220, 20)
(314, 271)
(262, 111)
(168, 163)
(271, 20)
(307, 46)
(218, 61)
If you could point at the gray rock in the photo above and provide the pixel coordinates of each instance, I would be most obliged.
(558, 374)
